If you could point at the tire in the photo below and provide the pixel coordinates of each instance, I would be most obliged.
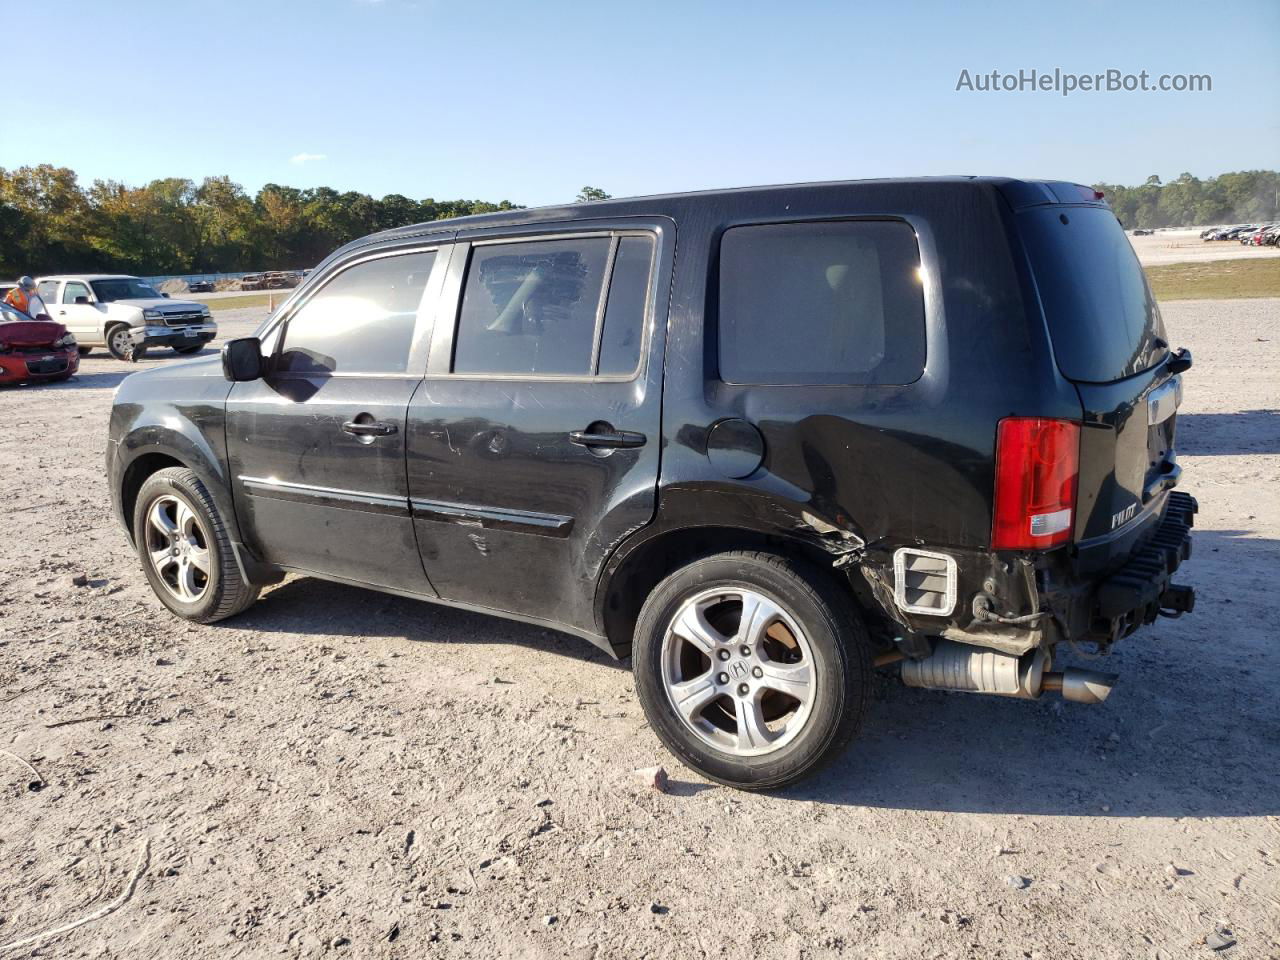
(201, 593)
(85, 351)
(186, 350)
(118, 341)
(802, 619)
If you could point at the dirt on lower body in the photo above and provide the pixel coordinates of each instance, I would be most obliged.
(346, 772)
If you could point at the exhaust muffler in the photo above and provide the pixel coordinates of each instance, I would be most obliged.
(961, 667)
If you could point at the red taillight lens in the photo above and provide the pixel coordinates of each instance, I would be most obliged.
(1037, 462)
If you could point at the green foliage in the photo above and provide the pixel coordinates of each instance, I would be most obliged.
(49, 223)
(587, 194)
(1248, 196)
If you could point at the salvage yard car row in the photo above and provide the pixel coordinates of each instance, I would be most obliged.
(1248, 234)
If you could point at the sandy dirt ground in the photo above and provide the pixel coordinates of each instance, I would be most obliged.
(345, 773)
(1179, 246)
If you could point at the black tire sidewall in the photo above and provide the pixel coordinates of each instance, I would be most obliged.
(839, 651)
(174, 483)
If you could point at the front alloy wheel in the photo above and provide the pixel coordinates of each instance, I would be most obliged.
(186, 551)
(178, 549)
(120, 341)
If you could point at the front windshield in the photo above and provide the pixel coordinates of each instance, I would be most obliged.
(123, 288)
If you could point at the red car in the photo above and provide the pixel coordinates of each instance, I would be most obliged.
(34, 350)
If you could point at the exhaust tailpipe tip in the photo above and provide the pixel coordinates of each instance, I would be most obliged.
(1081, 686)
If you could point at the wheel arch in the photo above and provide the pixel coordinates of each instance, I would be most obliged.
(134, 472)
(649, 558)
(134, 476)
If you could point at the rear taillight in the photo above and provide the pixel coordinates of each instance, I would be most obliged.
(1037, 461)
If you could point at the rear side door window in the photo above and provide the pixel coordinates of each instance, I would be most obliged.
(361, 321)
(48, 290)
(574, 307)
(839, 302)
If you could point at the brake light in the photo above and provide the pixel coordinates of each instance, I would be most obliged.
(1037, 464)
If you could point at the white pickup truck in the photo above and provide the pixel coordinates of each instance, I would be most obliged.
(124, 314)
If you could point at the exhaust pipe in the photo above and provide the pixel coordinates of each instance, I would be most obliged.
(961, 667)
(1081, 686)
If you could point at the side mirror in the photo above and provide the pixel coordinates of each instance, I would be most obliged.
(165, 295)
(242, 359)
(82, 301)
(1180, 361)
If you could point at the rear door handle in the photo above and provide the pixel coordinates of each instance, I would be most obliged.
(373, 429)
(612, 439)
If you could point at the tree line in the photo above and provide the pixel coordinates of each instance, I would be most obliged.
(50, 223)
(1248, 196)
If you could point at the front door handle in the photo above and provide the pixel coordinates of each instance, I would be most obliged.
(371, 429)
(611, 438)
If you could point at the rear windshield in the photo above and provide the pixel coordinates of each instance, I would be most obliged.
(1103, 320)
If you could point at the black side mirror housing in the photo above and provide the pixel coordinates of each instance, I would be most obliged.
(1179, 361)
(242, 359)
(165, 295)
(82, 301)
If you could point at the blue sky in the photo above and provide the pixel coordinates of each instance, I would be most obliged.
(529, 101)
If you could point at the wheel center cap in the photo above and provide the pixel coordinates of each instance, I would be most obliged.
(738, 669)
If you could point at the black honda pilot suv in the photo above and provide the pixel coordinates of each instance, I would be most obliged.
(763, 441)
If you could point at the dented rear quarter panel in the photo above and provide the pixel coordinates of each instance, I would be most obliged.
(858, 471)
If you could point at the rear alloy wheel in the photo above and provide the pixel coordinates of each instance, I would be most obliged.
(185, 550)
(738, 670)
(120, 342)
(752, 669)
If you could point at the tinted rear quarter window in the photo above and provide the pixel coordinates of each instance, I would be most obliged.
(821, 303)
(1103, 321)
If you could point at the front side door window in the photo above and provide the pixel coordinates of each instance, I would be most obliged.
(72, 290)
(361, 322)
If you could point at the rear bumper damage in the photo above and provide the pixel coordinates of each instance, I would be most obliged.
(1115, 604)
(1026, 608)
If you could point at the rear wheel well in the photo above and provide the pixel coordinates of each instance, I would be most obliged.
(652, 562)
(135, 475)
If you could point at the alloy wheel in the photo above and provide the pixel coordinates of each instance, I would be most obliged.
(121, 340)
(739, 671)
(177, 548)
